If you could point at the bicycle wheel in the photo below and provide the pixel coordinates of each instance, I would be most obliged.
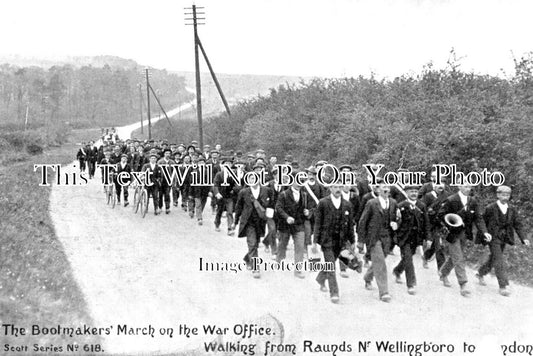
(143, 201)
(136, 200)
(113, 198)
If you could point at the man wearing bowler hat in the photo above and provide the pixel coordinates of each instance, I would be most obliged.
(413, 230)
(502, 222)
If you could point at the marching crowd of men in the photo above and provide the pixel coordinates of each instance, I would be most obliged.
(342, 219)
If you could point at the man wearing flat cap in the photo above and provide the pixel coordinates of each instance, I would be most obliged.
(502, 221)
(154, 171)
(166, 163)
(122, 166)
(224, 195)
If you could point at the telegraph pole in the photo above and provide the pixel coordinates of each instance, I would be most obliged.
(148, 105)
(197, 68)
(198, 45)
(141, 105)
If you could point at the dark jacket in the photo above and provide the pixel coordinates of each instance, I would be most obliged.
(320, 192)
(354, 201)
(471, 213)
(325, 224)
(245, 209)
(227, 191)
(374, 225)
(155, 174)
(414, 224)
(286, 207)
(502, 227)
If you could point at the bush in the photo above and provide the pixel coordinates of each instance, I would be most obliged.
(34, 149)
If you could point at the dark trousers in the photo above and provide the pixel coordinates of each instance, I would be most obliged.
(298, 238)
(379, 267)
(330, 255)
(164, 194)
(308, 230)
(92, 167)
(184, 198)
(224, 203)
(496, 260)
(271, 238)
(118, 189)
(199, 205)
(154, 192)
(436, 248)
(214, 201)
(252, 240)
(406, 264)
(455, 260)
(82, 164)
(175, 195)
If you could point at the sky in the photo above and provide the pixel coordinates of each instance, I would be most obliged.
(330, 38)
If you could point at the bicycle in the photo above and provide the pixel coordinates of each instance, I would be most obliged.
(136, 197)
(110, 193)
(143, 202)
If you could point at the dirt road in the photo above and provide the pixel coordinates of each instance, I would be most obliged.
(138, 272)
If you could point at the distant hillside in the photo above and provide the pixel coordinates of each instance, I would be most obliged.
(236, 88)
(95, 61)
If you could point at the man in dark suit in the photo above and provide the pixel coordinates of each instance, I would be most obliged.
(292, 210)
(82, 156)
(198, 192)
(153, 170)
(467, 207)
(122, 166)
(373, 194)
(413, 230)
(434, 243)
(376, 227)
(224, 194)
(271, 239)
(92, 155)
(333, 230)
(252, 201)
(164, 190)
(502, 222)
(351, 196)
(315, 191)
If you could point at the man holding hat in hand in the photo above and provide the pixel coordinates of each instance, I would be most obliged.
(502, 222)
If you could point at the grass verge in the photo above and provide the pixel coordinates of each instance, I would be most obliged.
(37, 286)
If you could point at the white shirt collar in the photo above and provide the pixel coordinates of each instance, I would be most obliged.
(503, 207)
(346, 196)
(384, 203)
(336, 201)
(255, 191)
(464, 198)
